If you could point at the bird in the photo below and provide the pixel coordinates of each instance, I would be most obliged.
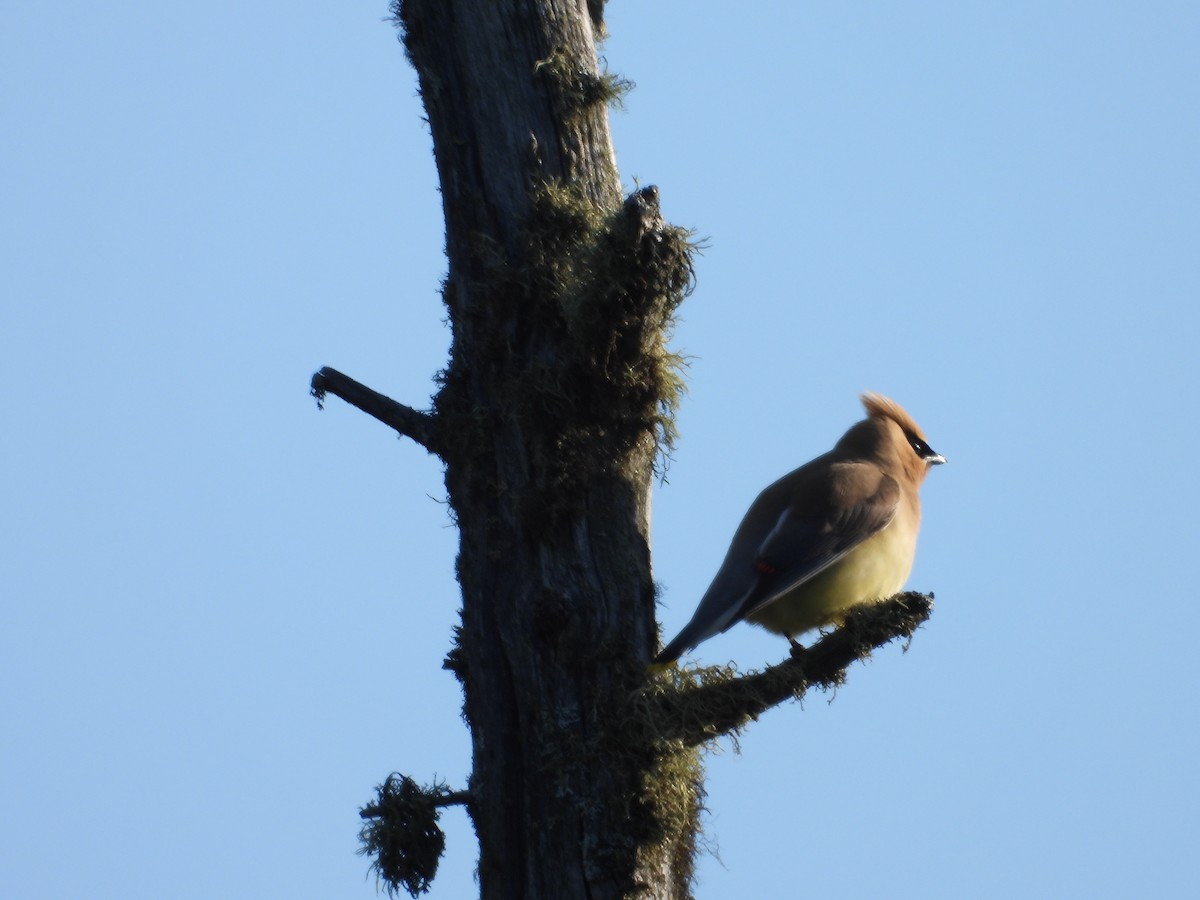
(838, 532)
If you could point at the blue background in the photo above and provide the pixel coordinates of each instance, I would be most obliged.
(224, 613)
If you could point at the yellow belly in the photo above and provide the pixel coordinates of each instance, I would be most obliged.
(874, 570)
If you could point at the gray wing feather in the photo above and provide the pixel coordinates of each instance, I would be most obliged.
(799, 548)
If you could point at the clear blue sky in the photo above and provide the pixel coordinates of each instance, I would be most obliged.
(224, 612)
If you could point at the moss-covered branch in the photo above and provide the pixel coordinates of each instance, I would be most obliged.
(407, 421)
(701, 709)
(402, 835)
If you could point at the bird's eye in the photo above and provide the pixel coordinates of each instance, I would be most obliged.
(920, 446)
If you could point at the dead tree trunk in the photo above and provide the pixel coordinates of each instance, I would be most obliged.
(553, 406)
(556, 400)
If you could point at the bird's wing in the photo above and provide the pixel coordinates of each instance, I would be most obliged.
(798, 526)
(817, 529)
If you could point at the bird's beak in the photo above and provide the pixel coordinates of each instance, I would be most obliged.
(936, 460)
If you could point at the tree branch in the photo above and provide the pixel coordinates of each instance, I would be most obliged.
(408, 422)
(452, 798)
(698, 712)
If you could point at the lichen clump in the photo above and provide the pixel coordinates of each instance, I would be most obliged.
(403, 836)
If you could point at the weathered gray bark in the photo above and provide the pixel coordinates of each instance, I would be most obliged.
(549, 419)
(555, 402)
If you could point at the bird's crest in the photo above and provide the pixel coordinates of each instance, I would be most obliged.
(880, 407)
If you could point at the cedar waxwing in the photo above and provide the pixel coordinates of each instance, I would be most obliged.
(837, 532)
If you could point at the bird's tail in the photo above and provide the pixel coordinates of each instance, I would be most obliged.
(670, 653)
